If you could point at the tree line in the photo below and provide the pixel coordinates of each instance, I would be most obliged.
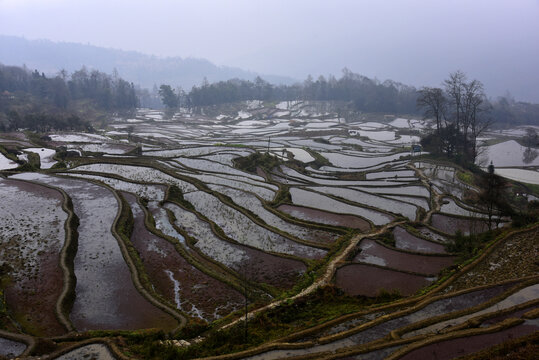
(29, 99)
(365, 95)
(362, 93)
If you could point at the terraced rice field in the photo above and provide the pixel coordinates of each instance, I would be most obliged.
(180, 235)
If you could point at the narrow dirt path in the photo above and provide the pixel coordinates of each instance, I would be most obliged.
(331, 268)
(326, 278)
(436, 197)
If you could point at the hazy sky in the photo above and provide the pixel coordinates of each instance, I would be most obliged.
(417, 42)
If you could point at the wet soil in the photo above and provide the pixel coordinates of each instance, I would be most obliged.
(359, 279)
(265, 268)
(32, 297)
(515, 314)
(191, 290)
(374, 253)
(324, 217)
(253, 264)
(450, 225)
(105, 295)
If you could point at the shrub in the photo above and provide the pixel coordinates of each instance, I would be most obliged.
(34, 160)
(257, 159)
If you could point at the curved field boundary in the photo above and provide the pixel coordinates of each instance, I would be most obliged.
(135, 275)
(355, 203)
(383, 342)
(417, 304)
(397, 333)
(23, 338)
(323, 280)
(470, 323)
(435, 197)
(253, 217)
(67, 256)
(465, 206)
(413, 231)
(111, 346)
(225, 270)
(413, 252)
(336, 321)
(197, 262)
(218, 231)
(200, 186)
(419, 341)
(477, 320)
(283, 217)
(261, 349)
(352, 203)
(311, 225)
(489, 248)
(371, 225)
(457, 167)
(507, 323)
(109, 175)
(383, 267)
(424, 300)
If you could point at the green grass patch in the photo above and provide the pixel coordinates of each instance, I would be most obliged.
(387, 238)
(232, 145)
(175, 195)
(469, 246)
(319, 160)
(34, 160)
(283, 196)
(465, 177)
(71, 252)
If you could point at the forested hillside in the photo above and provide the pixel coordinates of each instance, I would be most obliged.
(67, 101)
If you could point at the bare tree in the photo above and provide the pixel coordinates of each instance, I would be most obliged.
(468, 110)
(475, 116)
(454, 87)
(434, 103)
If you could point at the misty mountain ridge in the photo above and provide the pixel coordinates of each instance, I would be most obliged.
(141, 69)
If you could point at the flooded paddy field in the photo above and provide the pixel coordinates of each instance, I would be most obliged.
(250, 202)
(367, 280)
(325, 217)
(450, 224)
(376, 326)
(316, 200)
(374, 253)
(10, 348)
(92, 351)
(183, 285)
(98, 304)
(32, 236)
(245, 231)
(406, 241)
(253, 264)
(451, 349)
(209, 222)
